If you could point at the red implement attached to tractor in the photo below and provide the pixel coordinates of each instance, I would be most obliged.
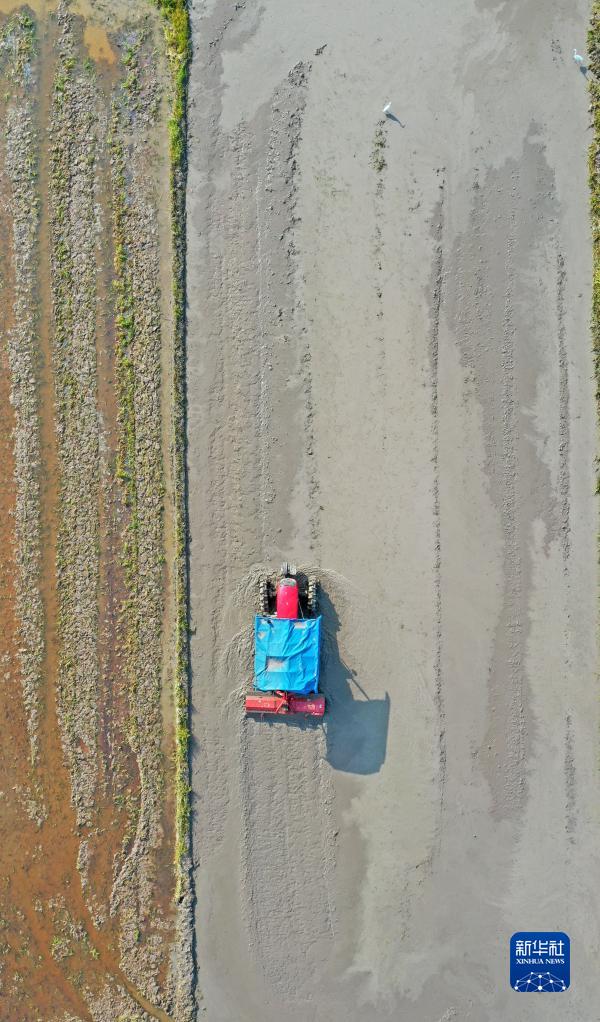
(287, 637)
(282, 702)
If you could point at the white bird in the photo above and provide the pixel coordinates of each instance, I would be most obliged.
(387, 109)
(577, 58)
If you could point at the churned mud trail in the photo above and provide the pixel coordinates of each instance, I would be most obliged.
(248, 370)
(390, 376)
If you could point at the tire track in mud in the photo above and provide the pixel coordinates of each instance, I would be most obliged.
(285, 860)
(291, 397)
(284, 872)
(564, 514)
(379, 164)
(521, 480)
(254, 784)
(434, 357)
(564, 440)
(513, 567)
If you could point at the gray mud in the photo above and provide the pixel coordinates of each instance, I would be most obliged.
(390, 376)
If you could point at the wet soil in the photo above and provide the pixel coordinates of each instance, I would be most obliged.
(61, 941)
(390, 375)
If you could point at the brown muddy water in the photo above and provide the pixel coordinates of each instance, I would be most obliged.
(60, 945)
(98, 44)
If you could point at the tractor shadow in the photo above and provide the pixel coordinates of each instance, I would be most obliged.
(356, 729)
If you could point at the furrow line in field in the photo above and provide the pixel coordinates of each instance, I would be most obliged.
(140, 470)
(73, 258)
(564, 440)
(434, 356)
(21, 170)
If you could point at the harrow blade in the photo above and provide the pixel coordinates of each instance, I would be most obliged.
(282, 704)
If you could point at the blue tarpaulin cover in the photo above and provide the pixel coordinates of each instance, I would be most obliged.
(286, 654)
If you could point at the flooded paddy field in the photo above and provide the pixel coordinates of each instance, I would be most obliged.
(92, 902)
(391, 379)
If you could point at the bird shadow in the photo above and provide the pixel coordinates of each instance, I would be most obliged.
(392, 117)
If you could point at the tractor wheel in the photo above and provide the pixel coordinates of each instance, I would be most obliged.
(263, 595)
(312, 598)
(292, 570)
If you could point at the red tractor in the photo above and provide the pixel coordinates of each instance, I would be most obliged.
(287, 646)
